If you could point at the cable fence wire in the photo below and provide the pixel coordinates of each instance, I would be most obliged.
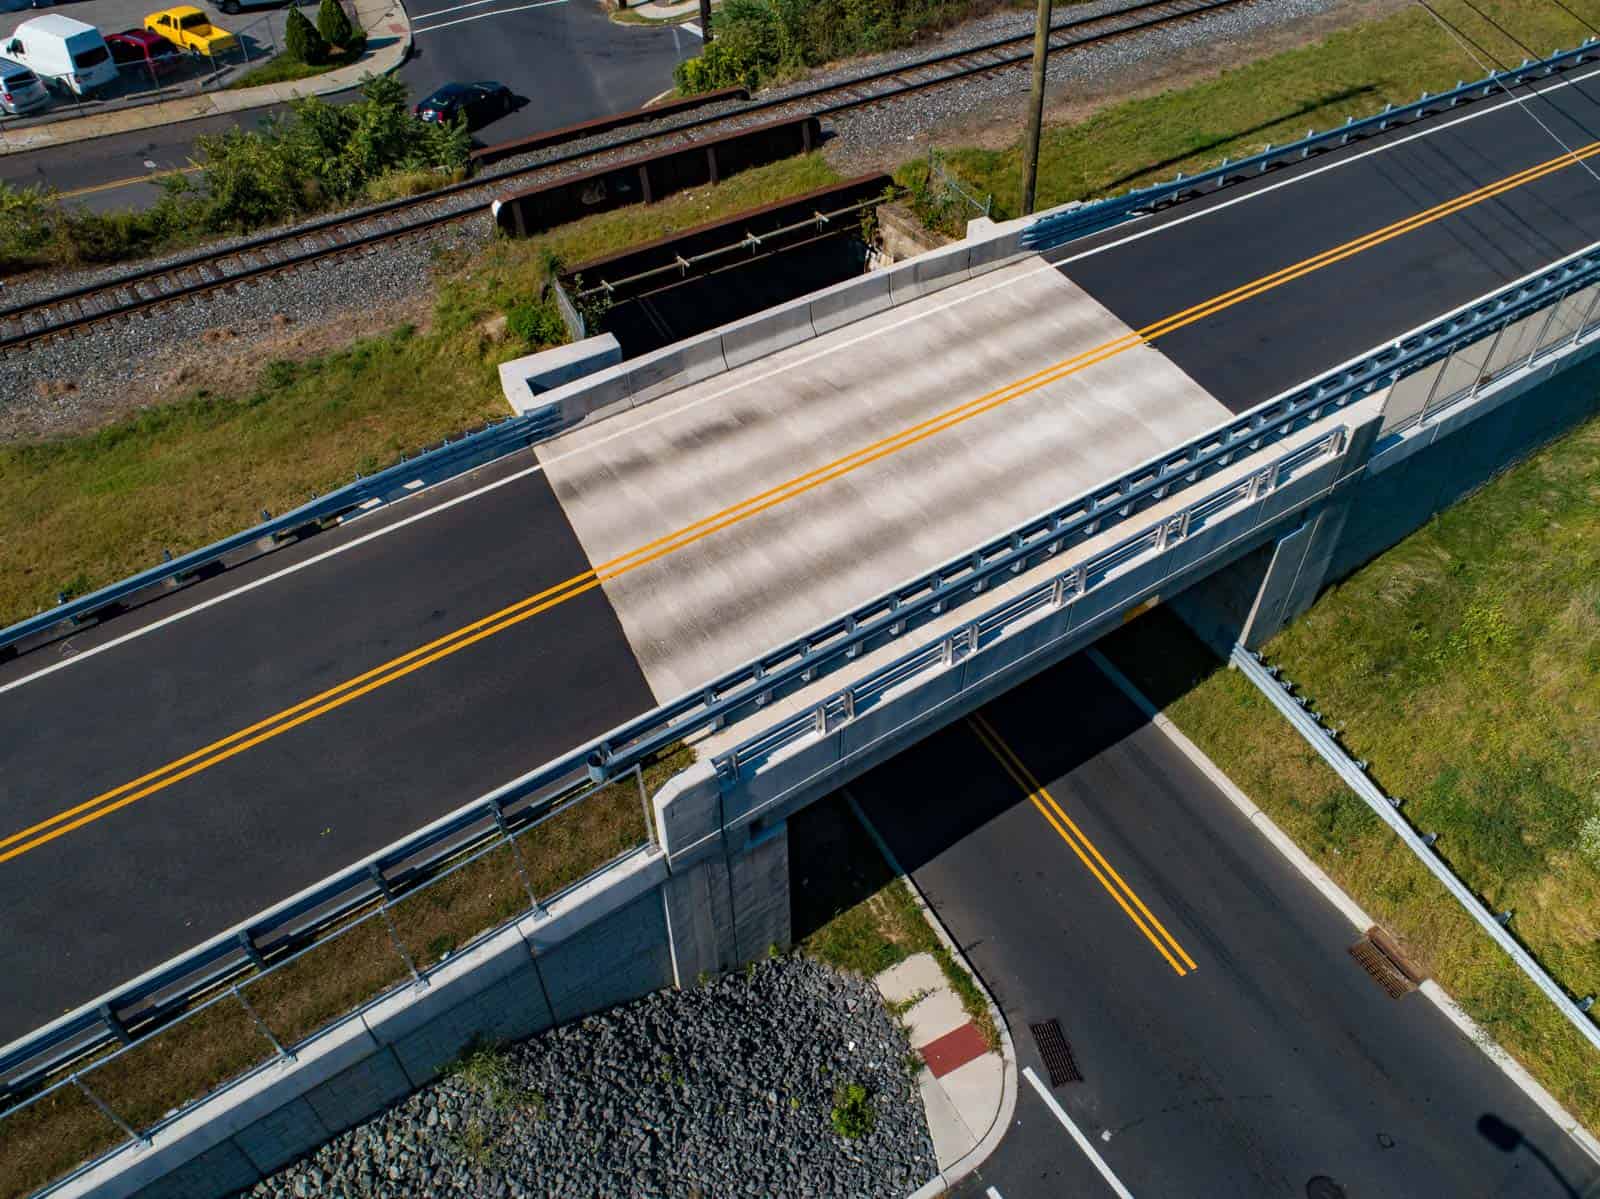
(416, 920)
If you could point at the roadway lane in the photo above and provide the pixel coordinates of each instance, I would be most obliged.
(206, 852)
(567, 61)
(1274, 1061)
(1255, 350)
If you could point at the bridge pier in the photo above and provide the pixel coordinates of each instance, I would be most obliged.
(727, 893)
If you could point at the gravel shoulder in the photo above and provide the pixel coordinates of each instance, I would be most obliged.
(722, 1089)
(72, 385)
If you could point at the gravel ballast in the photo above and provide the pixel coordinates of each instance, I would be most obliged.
(718, 1090)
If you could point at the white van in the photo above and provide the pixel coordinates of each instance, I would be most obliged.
(62, 51)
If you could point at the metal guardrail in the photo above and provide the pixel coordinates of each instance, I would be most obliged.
(1052, 593)
(748, 689)
(365, 494)
(1307, 722)
(1050, 231)
(228, 971)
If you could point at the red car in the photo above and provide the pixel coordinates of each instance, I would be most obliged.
(141, 50)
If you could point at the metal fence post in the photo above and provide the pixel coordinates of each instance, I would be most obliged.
(261, 1024)
(106, 1111)
(1479, 375)
(516, 856)
(644, 802)
(1587, 316)
(399, 947)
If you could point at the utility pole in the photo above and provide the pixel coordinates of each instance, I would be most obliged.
(1030, 153)
(705, 21)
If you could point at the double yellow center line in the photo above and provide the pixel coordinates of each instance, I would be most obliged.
(1093, 860)
(398, 668)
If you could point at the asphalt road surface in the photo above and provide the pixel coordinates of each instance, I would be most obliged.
(1228, 1043)
(566, 61)
(124, 891)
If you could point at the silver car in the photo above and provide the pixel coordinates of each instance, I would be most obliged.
(20, 89)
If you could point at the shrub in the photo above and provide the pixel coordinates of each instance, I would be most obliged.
(333, 25)
(27, 225)
(301, 39)
(852, 1116)
(539, 324)
(759, 39)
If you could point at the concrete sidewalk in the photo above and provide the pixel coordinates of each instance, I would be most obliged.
(962, 1080)
(388, 30)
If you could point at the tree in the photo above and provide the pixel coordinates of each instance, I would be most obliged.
(303, 41)
(334, 25)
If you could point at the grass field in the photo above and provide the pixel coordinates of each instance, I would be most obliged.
(1464, 665)
(1273, 100)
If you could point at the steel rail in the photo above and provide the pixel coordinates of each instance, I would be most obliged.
(1083, 31)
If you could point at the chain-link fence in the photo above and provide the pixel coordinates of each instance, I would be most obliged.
(342, 960)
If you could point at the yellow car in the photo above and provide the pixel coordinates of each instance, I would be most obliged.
(190, 29)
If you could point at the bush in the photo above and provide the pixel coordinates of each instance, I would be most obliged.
(302, 41)
(539, 324)
(27, 225)
(333, 25)
(852, 1116)
(757, 40)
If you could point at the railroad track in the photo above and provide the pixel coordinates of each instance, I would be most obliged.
(316, 243)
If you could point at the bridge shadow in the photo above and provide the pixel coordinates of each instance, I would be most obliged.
(1217, 141)
(947, 787)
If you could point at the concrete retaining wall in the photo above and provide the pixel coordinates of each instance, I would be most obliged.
(603, 943)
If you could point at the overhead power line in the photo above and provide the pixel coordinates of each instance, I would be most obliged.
(1478, 54)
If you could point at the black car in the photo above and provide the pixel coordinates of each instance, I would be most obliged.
(480, 101)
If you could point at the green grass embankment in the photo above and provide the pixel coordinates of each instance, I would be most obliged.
(1272, 100)
(1464, 665)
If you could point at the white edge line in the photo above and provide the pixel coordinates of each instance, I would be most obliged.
(991, 1193)
(499, 12)
(1353, 912)
(1332, 166)
(439, 12)
(1112, 1180)
(798, 362)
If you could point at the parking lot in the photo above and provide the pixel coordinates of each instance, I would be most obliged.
(259, 29)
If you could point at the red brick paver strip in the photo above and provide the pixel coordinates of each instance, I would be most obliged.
(954, 1049)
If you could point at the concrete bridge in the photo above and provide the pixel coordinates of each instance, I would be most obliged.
(897, 498)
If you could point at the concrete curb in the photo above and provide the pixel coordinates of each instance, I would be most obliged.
(371, 15)
(991, 1139)
(1297, 857)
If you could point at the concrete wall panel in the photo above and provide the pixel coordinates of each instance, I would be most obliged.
(218, 1171)
(281, 1137)
(766, 332)
(653, 375)
(612, 961)
(839, 305)
(929, 272)
(359, 1092)
(507, 1010)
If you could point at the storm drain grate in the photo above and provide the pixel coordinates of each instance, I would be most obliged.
(1380, 957)
(1055, 1051)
